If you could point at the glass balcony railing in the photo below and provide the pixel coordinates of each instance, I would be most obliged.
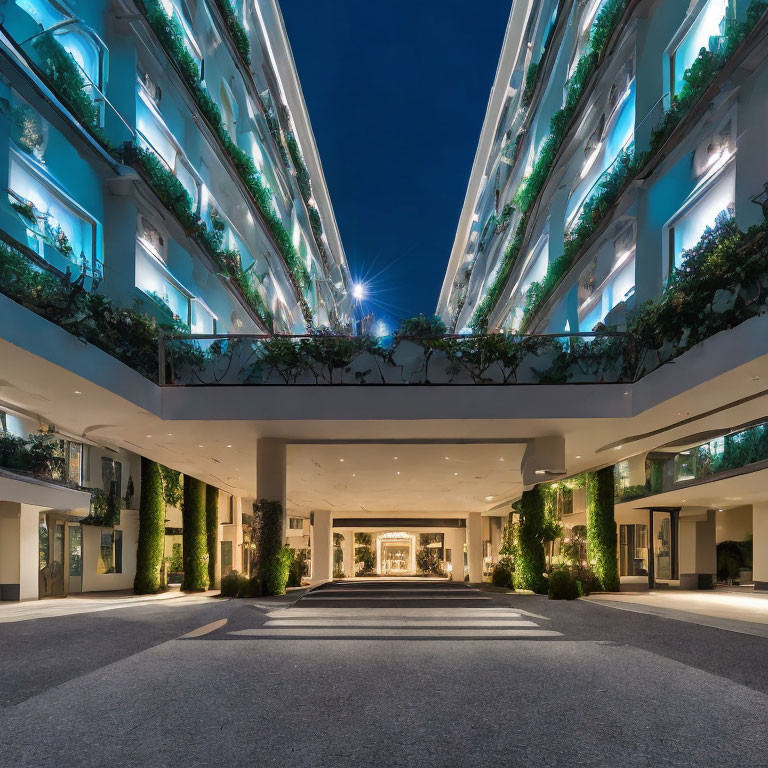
(499, 359)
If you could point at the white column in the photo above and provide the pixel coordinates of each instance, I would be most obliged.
(271, 472)
(475, 546)
(19, 550)
(322, 546)
(456, 543)
(760, 545)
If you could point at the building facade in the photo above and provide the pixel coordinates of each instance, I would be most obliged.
(159, 163)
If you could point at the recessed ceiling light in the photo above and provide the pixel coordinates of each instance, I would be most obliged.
(170, 434)
(398, 473)
(78, 392)
(501, 458)
(201, 446)
(617, 447)
(455, 473)
(149, 435)
(578, 457)
(446, 458)
(354, 475)
(395, 458)
(229, 446)
(341, 459)
(489, 498)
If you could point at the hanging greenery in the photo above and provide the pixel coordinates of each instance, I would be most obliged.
(149, 552)
(602, 541)
(706, 67)
(236, 30)
(194, 545)
(212, 530)
(531, 78)
(173, 486)
(530, 563)
(171, 38)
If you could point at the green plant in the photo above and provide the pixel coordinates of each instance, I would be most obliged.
(302, 174)
(25, 209)
(173, 486)
(149, 551)
(531, 78)
(212, 529)
(236, 31)
(298, 569)
(195, 547)
(365, 554)
(422, 328)
(530, 562)
(63, 73)
(273, 559)
(502, 574)
(170, 36)
(235, 584)
(602, 547)
(562, 585)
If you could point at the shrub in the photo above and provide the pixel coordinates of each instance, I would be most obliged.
(502, 575)
(235, 584)
(275, 572)
(195, 544)
(298, 569)
(236, 30)
(562, 585)
(149, 552)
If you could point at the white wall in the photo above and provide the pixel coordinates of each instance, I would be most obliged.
(96, 582)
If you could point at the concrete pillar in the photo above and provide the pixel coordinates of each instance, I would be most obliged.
(456, 544)
(348, 547)
(697, 549)
(19, 543)
(322, 546)
(271, 473)
(760, 545)
(475, 547)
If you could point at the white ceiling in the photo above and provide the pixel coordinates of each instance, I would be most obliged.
(408, 478)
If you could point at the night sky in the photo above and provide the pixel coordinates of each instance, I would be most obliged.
(396, 92)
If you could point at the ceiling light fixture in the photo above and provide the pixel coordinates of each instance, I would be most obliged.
(229, 446)
(78, 392)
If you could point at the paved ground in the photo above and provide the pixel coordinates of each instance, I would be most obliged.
(400, 674)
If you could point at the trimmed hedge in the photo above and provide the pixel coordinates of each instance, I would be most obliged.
(562, 585)
(194, 542)
(530, 562)
(602, 546)
(212, 529)
(149, 552)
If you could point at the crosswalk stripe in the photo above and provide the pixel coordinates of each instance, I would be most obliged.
(404, 623)
(314, 633)
(329, 597)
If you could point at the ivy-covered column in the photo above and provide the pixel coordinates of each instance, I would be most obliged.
(194, 543)
(530, 563)
(274, 558)
(602, 544)
(149, 552)
(212, 530)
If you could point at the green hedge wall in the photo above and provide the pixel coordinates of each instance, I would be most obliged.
(530, 562)
(602, 545)
(149, 553)
(212, 530)
(274, 559)
(195, 543)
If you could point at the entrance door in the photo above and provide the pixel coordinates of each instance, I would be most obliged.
(396, 558)
(51, 556)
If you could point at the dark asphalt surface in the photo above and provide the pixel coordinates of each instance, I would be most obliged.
(376, 674)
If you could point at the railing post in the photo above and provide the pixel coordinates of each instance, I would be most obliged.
(161, 357)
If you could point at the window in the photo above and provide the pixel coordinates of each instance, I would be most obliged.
(617, 287)
(110, 552)
(3, 422)
(633, 550)
(59, 231)
(622, 474)
(154, 279)
(75, 462)
(296, 523)
(226, 509)
(154, 135)
(226, 558)
(707, 31)
(177, 10)
(707, 203)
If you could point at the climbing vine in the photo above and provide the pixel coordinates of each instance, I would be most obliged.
(602, 542)
(151, 538)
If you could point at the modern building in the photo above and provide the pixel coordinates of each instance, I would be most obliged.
(161, 152)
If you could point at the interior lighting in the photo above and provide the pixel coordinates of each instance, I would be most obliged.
(618, 447)
(577, 457)
(341, 459)
(489, 498)
(78, 392)
(229, 446)
(454, 474)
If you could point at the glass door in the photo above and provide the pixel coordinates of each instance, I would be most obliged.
(662, 545)
(51, 557)
(75, 557)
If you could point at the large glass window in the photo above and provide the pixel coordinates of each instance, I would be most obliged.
(110, 552)
(177, 10)
(59, 232)
(707, 32)
(716, 200)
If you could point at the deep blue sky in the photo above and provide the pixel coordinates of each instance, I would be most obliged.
(396, 92)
